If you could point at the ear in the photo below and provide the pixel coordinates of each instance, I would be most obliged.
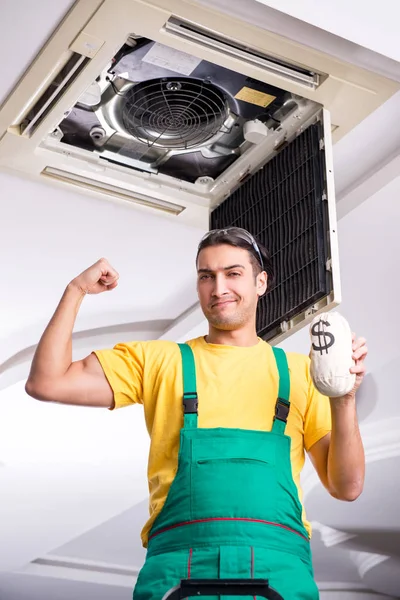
(262, 283)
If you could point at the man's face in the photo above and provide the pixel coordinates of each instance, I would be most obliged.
(227, 288)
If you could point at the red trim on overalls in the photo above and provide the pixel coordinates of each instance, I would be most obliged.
(227, 519)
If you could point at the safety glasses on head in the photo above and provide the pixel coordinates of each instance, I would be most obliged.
(237, 232)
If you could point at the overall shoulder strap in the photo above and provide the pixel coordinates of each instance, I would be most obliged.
(282, 405)
(190, 401)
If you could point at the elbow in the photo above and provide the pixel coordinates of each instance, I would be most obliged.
(349, 494)
(30, 388)
(35, 390)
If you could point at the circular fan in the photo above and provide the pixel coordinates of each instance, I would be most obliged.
(174, 113)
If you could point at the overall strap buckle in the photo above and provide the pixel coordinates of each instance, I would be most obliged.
(190, 403)
(282, 410)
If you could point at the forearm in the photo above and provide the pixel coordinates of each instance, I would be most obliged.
(53, 355)
(346, 461)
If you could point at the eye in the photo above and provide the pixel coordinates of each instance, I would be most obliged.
(234, 274)
(204, 277)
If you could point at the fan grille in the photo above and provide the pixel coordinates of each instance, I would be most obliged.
(174, 113)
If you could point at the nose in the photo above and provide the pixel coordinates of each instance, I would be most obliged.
(220, 286)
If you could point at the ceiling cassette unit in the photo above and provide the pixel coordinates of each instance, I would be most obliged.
(182, 109)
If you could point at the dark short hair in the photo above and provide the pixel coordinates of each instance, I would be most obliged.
(232, 237)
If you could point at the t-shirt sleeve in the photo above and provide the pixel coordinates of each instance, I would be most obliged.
(317, 422)
(123, 366)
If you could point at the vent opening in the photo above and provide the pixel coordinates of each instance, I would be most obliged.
(53, 93)
(272, 64)
(111, 190)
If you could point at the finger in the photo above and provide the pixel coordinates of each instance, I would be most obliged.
(358, 343)
(358, 369)
(107, 269)
(112, 286)
(361, 353)
(109, 278)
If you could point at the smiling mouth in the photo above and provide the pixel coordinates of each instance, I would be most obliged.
(223, 303)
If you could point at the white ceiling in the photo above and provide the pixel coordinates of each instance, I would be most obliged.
(18, 33)
(75, 478)
(360, 22)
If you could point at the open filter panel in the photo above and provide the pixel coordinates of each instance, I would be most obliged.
(284, 205)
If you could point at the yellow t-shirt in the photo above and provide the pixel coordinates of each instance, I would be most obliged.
(237, 387)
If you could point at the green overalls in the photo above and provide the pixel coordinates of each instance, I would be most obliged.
(233, 509)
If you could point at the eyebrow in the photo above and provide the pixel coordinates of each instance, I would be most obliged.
(225, 269)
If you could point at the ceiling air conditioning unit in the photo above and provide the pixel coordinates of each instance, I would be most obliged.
(176, 107)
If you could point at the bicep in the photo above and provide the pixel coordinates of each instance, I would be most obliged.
(318, 454)
(84, 384)
(88, 385)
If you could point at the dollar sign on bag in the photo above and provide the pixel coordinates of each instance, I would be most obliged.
(325, 339)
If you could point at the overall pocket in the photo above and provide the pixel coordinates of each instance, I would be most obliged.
(233, 476)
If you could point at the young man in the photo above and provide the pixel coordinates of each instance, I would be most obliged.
(229, 418)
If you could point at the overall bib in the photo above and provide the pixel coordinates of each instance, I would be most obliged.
(233, 509)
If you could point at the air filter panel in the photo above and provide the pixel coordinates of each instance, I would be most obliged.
(285, 206)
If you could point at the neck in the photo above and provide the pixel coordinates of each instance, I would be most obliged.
(245, 336)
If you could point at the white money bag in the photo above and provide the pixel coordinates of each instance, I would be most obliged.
(331, 355)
